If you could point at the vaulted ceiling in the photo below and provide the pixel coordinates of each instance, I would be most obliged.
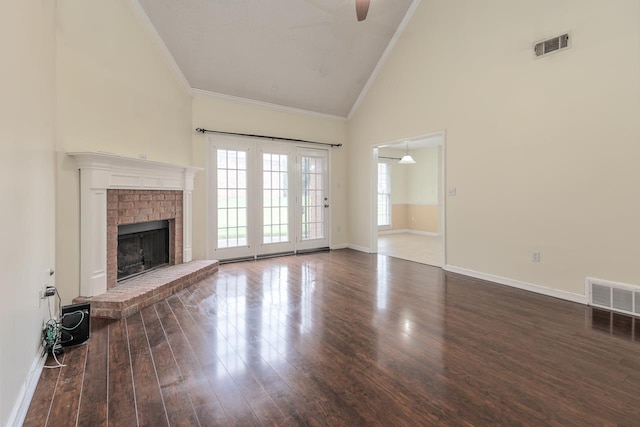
(307, 54)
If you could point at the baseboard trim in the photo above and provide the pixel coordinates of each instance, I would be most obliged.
(386, 232)
(339, 246)
(568, 296)
(19, 412)
(407, 231)
(424, 233)
(359, 248)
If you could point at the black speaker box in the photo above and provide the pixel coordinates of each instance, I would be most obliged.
(76, 324)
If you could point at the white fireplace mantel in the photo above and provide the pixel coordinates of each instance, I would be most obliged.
(100, 172)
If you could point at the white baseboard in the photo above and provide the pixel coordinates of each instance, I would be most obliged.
(387, 232)
(424, 233)
(23, 401)
(339, 246)
(407, 231)
(359, 248)
(569, 296)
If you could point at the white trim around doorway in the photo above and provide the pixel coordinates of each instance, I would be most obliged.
(442, 188)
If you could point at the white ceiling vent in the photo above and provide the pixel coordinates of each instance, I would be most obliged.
(554, 44)
(614, 296)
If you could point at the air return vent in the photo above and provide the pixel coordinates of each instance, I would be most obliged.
(551, 45)
(614, 296)
(601, 295)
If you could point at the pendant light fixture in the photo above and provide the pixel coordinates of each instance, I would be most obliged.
(407, 159)
(362, 7)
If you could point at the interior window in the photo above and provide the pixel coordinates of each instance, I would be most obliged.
(384, 194)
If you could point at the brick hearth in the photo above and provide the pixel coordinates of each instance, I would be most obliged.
(132, 295)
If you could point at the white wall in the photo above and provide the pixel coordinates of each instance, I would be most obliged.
(233, 116)
(423, 176)
(116, 93)
(543, 152)
(27, 176)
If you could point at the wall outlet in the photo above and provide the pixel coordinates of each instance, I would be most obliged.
(43, 292)
(47, 291)
(535, 256)
(452, 191)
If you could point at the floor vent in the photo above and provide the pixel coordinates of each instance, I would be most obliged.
(553, 44)
(614, 296)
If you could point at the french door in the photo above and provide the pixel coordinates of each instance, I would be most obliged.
(313, 199)
(265, 198)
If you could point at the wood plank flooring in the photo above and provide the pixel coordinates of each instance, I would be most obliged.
(344, 338)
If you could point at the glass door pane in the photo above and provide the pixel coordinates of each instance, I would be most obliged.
(276, 203)
(314, 200)
(275, 200)
(232, 198)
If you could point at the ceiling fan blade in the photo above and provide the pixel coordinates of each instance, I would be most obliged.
(362, 7)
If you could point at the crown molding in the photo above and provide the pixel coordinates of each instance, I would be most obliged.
(267, 105)
(383, 59)
(137, 7)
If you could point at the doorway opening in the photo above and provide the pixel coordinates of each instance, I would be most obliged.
(409, 199)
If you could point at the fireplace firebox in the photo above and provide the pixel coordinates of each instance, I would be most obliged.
(142, 247)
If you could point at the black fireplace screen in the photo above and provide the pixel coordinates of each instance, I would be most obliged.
(142, 247)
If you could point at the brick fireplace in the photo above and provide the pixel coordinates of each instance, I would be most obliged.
(116, 190)
(142, 206)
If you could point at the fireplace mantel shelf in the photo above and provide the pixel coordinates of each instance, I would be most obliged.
(111, 171)
(100, 172)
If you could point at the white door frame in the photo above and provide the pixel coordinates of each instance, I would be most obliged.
(442, 196)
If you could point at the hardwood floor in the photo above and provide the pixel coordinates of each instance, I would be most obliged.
(347, 338)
